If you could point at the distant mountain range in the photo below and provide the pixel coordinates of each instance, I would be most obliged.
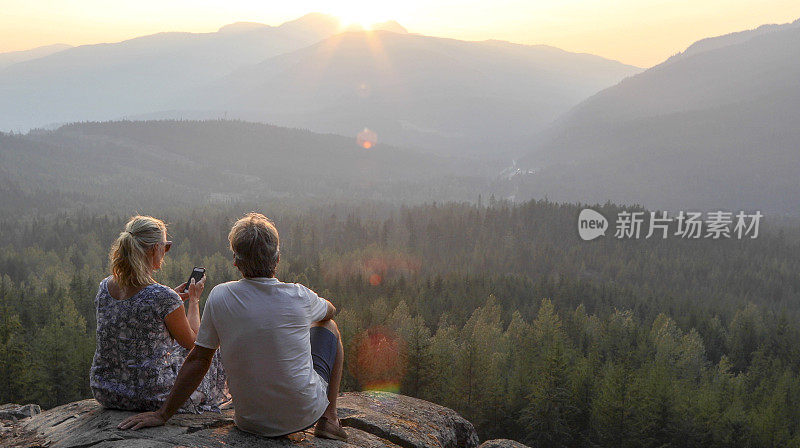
(715, 127)
(109, 81)
(15, 57)
(442, 95)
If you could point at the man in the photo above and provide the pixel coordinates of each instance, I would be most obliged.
(280, 348)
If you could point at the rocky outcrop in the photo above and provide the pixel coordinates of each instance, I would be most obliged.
(9, 415)
(371, 419)
(502, 443)
(12, 411)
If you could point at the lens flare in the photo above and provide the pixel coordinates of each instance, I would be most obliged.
(363, 90)
(367, 138)
(376, 266)
(376, 362)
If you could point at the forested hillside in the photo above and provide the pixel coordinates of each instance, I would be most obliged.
(499, 311)
(127, 165)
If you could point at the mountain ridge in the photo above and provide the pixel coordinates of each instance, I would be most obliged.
(77, 84)
(494, 92)
(641, 141)
(10, 58)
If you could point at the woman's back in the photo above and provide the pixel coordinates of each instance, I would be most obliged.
(136, 360)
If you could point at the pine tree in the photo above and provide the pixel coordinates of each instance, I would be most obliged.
(15, 368)
(62, 355)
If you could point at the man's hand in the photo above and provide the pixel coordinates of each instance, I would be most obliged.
(143, 420)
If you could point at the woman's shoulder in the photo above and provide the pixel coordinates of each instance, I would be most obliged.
(163, 299)
(162, 290)
(155, 293)
(102, 290)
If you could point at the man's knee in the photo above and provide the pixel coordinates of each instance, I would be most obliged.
(330, 325)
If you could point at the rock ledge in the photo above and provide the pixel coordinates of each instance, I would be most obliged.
(371, 419)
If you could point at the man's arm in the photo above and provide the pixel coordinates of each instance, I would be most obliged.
(319, 309)
(189, 377)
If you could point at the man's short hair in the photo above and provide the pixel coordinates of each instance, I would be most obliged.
(255, 245)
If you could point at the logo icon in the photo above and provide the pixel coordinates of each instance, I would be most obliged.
(591, 224)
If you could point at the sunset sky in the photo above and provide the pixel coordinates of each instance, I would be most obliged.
(638, 32)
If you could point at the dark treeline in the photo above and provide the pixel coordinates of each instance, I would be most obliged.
(500, 312)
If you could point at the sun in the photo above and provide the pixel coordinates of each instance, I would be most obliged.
(361, 14)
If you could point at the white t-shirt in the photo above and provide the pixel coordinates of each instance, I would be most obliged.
(261, 326)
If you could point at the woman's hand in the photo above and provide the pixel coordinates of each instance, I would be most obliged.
(192, 315)
(195, 290)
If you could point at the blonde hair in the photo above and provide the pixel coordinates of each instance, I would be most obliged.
(255, 245)
(130, 266)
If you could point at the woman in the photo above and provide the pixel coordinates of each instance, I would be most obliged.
(143, 331)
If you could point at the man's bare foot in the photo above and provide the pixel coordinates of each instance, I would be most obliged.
(328, 429)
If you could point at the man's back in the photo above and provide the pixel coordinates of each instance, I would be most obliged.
(262, 328)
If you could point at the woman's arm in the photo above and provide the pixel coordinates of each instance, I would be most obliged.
(181, 323)
(179, 328)
(193, 313)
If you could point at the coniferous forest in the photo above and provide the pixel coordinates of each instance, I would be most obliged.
(495, 309)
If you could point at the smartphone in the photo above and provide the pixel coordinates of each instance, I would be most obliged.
(197, 274)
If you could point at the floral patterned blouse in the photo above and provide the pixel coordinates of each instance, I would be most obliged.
(136, 360)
